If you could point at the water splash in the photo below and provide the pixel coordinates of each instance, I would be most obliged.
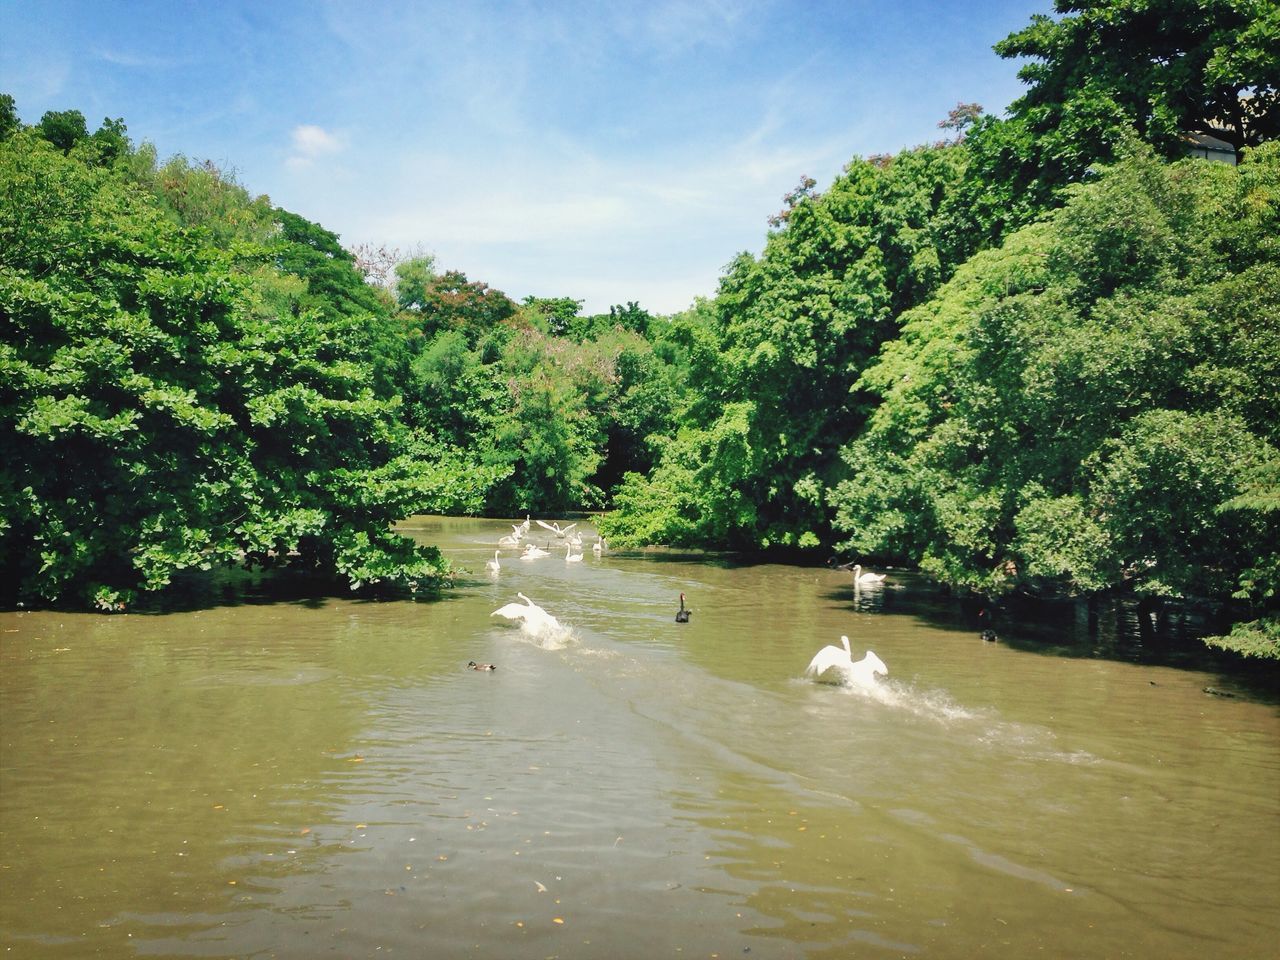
(548, 636)
(929, 704)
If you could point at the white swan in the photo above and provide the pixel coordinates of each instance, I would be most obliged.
(598, 547)
(509, 541)
(522, 528)
(866, 579)
(532, 617)
(840, 662)
(555, 527)
(569, 555)
(493, 566)
(532, 552)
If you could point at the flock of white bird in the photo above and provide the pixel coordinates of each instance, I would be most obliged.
(831, 664)
(572, 542)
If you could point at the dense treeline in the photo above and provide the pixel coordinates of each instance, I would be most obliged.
(180, 386)
(191, 377)
(1039, 356)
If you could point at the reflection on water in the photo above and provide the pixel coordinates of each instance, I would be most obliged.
(303, 777)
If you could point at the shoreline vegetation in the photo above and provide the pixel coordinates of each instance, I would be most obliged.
(1035, 358)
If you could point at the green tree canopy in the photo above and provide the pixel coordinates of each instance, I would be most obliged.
(1091, 406)
(774, 357)
(158, 415)
(1165, 67)
(63, 128)
(9, 122)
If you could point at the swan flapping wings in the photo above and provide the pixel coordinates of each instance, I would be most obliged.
(531, 616)
(834, 664)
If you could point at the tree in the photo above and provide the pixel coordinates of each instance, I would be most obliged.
(1167, 68)
(9, 123)
(1076, 412)
(960, 118)
(157, 415)
(449, 301)
(110, 141)
(773, 359)
(414, 277)
(63, 128)
(555, 315)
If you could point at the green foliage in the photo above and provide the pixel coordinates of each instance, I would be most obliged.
(694, 493)
(644, 400)
(413, 279)
(203, 196)
(548, 421)
(433, 303)
(1165, 67)
(1081, 409)
(1037, 357)
(1256, 638)
(9, 123)
(1101, 72)
(156, 415)
(553, 315)
(63, 128)
(780, 349)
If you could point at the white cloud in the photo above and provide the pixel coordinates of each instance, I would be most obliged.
(565, 221)
(311, 142)
(121, 58)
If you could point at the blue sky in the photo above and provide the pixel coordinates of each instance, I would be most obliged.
(603, 151)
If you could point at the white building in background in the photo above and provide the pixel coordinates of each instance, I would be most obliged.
(1210, 148)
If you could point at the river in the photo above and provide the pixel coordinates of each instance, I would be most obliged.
(289, 777)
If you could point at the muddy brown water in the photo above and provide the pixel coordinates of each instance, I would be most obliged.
(311, 778)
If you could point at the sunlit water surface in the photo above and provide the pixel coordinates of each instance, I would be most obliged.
(294, 779)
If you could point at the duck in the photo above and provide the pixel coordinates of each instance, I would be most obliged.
(682, 615)
(482, 666)
(840, 659)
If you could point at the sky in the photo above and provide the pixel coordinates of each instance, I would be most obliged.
(607, 151)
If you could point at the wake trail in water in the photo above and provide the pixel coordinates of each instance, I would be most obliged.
(1028, 741)
(928, 704)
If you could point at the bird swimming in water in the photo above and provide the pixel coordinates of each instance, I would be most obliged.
(866, 579)
(682, 615)
(493, 566)
(482, 666)
(833, 658)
